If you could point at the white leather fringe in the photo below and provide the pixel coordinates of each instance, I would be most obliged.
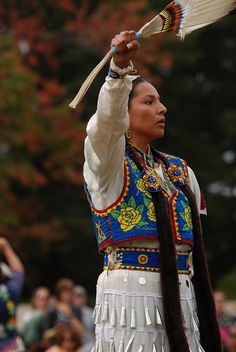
(129, 313)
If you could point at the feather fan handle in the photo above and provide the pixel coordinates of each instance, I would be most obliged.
(89, 80)
(161, 23)
(181, 17)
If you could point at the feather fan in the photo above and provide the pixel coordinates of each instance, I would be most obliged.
(181, 17)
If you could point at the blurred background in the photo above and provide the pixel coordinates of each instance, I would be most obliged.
(47, 49)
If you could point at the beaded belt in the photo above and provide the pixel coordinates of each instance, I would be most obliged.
(146, 259)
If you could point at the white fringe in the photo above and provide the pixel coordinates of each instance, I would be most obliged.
(105, 311)
(111, 345)
(113, 317)
(100, 346)
(158, 317)
(121, 346)
(98, 311)
(147, 316)
(141, 348)
(123, 316)
(130, 342)
(154, 348)
(185, 324)
(146, 310)
(133, 318)
(94, 312)
(195, 317)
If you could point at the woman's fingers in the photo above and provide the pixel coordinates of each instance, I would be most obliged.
(125, 45)
(123, 40)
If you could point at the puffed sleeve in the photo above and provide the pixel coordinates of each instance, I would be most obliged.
(197, 192)
(105, 142)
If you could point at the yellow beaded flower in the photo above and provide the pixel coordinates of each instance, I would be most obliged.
(141, 186)
(129, 217)
(151, 212)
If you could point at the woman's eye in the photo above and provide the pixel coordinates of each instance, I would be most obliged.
(148, 102)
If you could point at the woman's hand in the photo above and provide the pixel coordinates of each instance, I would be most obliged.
(124, 54)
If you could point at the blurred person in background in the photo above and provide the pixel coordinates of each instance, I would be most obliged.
(225, 319)
(231, 341)
(80, 299)
(33, 318)
(67, 338)
(11, 282)
(64, 310)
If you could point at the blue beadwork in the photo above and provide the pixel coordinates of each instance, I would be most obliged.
(132, 216)
(144, 259)
(113, 74)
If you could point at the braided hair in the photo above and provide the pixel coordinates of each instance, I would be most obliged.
(209, 331)
(168, 272)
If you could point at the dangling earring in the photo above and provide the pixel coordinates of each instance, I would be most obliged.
(128, 134)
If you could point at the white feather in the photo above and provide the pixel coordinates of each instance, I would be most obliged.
(202, 13)
(152, 27)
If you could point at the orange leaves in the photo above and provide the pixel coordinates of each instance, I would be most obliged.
(49, 90)
(45, 53)
(110, 19)
(34, 141)
(26, 175)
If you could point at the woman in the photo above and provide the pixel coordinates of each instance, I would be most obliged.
(145, 207)
(63, 311)
(67, 339)
(12, 277)
(33, 318)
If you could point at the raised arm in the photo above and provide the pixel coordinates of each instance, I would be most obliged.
(105, 142)
(11, 257)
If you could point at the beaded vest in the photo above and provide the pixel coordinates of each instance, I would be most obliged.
(132, 216)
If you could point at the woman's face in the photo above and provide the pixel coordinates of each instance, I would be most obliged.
(40, 298)
(66, 296)
(68, 343)
(146, 113)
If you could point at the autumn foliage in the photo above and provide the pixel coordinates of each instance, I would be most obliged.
(48, 48)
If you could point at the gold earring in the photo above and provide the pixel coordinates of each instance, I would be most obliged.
(128, 134)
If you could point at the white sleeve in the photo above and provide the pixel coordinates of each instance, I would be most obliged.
(196, 190)
(105, 141)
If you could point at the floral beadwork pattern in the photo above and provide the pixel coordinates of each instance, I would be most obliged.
(176, 173)
(152, 182)
(151, 212)
(11, 309)
(130, 215)
(187, 217)
(143, 259)
(141, 187)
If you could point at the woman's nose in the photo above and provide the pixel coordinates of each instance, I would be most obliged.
(162, 108)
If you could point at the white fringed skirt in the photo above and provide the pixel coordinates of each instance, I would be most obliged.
(129, 313)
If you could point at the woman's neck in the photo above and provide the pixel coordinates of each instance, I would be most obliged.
(144, 147)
